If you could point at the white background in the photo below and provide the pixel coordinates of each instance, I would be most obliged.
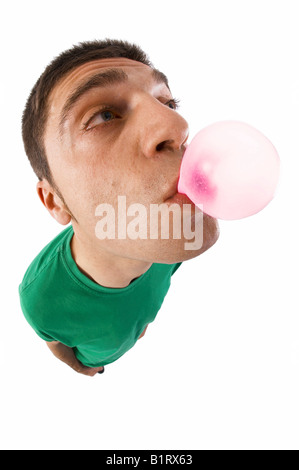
(219, 368)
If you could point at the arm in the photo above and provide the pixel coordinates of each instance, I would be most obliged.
(67, 355)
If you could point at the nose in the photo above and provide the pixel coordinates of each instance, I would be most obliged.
(163, 129)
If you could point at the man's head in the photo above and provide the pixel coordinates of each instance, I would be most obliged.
(37, 106)
(99, 123)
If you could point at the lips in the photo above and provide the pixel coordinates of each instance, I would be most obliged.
(178, 198)
(173, 189)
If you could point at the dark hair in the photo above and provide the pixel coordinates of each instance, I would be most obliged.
(36, 111)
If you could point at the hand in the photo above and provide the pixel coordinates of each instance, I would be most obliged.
(90, 371)
(67, 355)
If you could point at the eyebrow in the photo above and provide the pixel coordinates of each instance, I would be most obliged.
(101, 80)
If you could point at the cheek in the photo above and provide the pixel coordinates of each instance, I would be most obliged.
(98, 174)
(98, 165)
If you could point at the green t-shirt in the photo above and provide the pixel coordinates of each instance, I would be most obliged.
(99, 323)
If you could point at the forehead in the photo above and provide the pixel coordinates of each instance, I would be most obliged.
(69, 83)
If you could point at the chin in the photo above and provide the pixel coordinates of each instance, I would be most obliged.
(168, 250)
(175, 251)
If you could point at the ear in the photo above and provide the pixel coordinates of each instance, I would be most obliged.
(52, 202)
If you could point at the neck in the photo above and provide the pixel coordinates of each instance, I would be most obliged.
(103, 267)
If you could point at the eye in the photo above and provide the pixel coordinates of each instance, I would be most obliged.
(100, 117)
(107, 115)
(173, 104)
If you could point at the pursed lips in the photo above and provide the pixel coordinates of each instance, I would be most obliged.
(173, 189)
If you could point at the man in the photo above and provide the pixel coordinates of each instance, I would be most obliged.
(101, 128)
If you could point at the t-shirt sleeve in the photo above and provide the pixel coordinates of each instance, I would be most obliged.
(26, 309)
(175, 268)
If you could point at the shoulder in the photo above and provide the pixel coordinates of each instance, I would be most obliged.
(45, 258)
(41, 285)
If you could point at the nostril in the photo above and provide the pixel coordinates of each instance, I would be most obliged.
(160, 146)
(163, 145)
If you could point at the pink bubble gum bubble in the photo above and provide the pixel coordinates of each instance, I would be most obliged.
(230, 170)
